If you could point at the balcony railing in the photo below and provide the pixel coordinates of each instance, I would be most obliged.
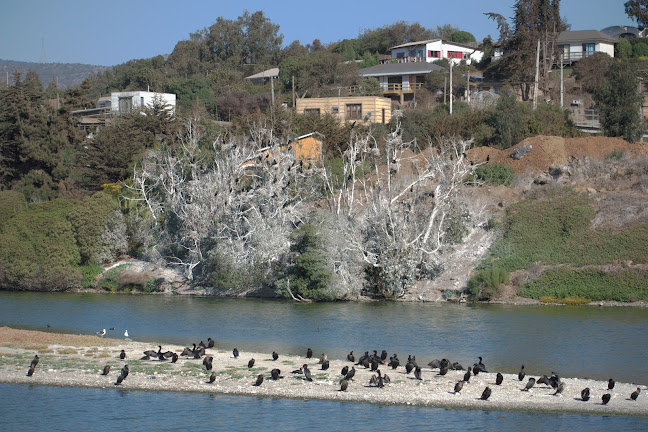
(388, 88)
(416, 59)
(568, 58)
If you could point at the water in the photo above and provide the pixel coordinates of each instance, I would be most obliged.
(38, 408)
(575, 341)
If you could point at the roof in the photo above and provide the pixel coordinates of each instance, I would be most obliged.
(401, 69)
(269, 73)
(410, 44)
(584, 36)
(621, 31)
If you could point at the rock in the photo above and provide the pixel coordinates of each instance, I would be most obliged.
(520, 152)
(591, 190)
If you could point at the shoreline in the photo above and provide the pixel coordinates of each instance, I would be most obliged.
(77, 361)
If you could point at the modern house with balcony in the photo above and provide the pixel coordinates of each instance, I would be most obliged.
(435, 49)
(575, 45)
(374, 109)
(399, 81)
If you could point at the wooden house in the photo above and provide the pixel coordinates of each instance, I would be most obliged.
(375, 109)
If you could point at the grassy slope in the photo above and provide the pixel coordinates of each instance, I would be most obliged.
(552, 229)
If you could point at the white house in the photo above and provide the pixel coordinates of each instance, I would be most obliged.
(575, 45)
(435, 49)
(400, 80)
(125, 102)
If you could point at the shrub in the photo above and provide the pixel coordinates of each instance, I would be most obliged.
(615, 155)
(485, 284)
(494, 174)
(90, 273)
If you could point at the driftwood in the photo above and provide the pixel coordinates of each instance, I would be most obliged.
(298, 298)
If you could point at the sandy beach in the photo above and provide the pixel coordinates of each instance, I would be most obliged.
(78, 360)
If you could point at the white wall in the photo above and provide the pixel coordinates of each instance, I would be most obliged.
(138, 97)
(443, 47)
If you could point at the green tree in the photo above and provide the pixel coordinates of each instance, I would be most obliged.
(508, 120)
(380, 40)
(637, 10)
(623, 49)
(619, 102)
(590, 71)
(461, 36)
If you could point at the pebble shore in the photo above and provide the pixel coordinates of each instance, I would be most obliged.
(80, 362)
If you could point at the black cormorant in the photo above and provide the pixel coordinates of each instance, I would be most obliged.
(521, 374)
(259, 380)
(486, 393)
(499, 378)
(606, 398)
(530, 384)
(585, 394)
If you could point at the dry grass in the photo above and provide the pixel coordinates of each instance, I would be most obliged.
(30, 339)
(67, 351)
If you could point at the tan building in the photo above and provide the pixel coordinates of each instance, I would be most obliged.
(375, 109)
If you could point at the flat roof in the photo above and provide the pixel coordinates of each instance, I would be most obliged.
(401, 69)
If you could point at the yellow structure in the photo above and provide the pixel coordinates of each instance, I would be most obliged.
(375, 109)
(308, 148)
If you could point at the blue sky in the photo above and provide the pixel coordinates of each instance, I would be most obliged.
(112, 32)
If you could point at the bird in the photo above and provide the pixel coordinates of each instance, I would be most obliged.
(275, 374)
(611, 384)
(635, 394)
(101, 333)
(344, 371)
(307, 373)
(126, 334)
(560, 389)
(125, 371)
(458, 386)
(482, 368)
(325, 365)
(309, 353)
(31, 370)
(380, 382)
(275, 356)
(585, 394)
(383, 355)
(323, 358)
(606, 398)
(251, 364)
(394, 362)
(499, 378)
(351, 357)
(486, 393)
(349, 376)
(174, 358)
(259, 380)
(544, 379)
(212, 378)
(298, 371)
(35, 361)
(374, 365)
(208, 363)
(122, 355)
(409, 367)
(521, 374)
(235, 353)
(120, 378)
(418, 373)
(344, 385)
(443, 370)
(210, 342)
(151, 353)
(530, 384)
(466, 376)
(106, 370)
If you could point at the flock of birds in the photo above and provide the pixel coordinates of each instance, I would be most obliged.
(367, 361)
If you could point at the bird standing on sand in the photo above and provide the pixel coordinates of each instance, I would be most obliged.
(235, 353)
(351, 357)
(560, 388)
(606, 398)
(530, 384)
(275, 374)
(418, 374)
(350, 374)
(35, 360)
(458, 387)
(344, 385)
(275, 356)
(486, 393)
(585, 394)
(307, 373)
(309, 353)
(611, 384)
(635, 394)
(122, 355)
(466, 376)
(499, 378)
(126, 334)
(521, 374)
(212, 378)
(259, 380)
(251, 364)
(106, 370)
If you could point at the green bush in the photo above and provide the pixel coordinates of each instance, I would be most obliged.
(615, 155)
(494, 174)
(486, 283)
(90, 273)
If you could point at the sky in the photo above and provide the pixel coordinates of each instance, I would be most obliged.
(109, 33)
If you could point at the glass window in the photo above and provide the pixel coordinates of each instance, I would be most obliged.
(353, 111)
(312, 111)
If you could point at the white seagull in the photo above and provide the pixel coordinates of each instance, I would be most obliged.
(101, 333)
(126, 334)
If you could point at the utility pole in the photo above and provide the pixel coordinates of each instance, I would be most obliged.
(293, 90)
(468, 86)
(535, 86)
(445, 88)
(451, 86)
(561, 82)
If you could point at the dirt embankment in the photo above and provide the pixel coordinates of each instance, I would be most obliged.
(69, 360)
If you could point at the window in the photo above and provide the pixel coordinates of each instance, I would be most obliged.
(125, 105)
(455, 54)
(312, 111)
(353, 111)
(588, 49)
(335, 110)
(435, 54)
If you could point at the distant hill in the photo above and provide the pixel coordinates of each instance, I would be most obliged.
(68, 74)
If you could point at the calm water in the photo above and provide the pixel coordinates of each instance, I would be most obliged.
(42, 408)
(586, 342)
